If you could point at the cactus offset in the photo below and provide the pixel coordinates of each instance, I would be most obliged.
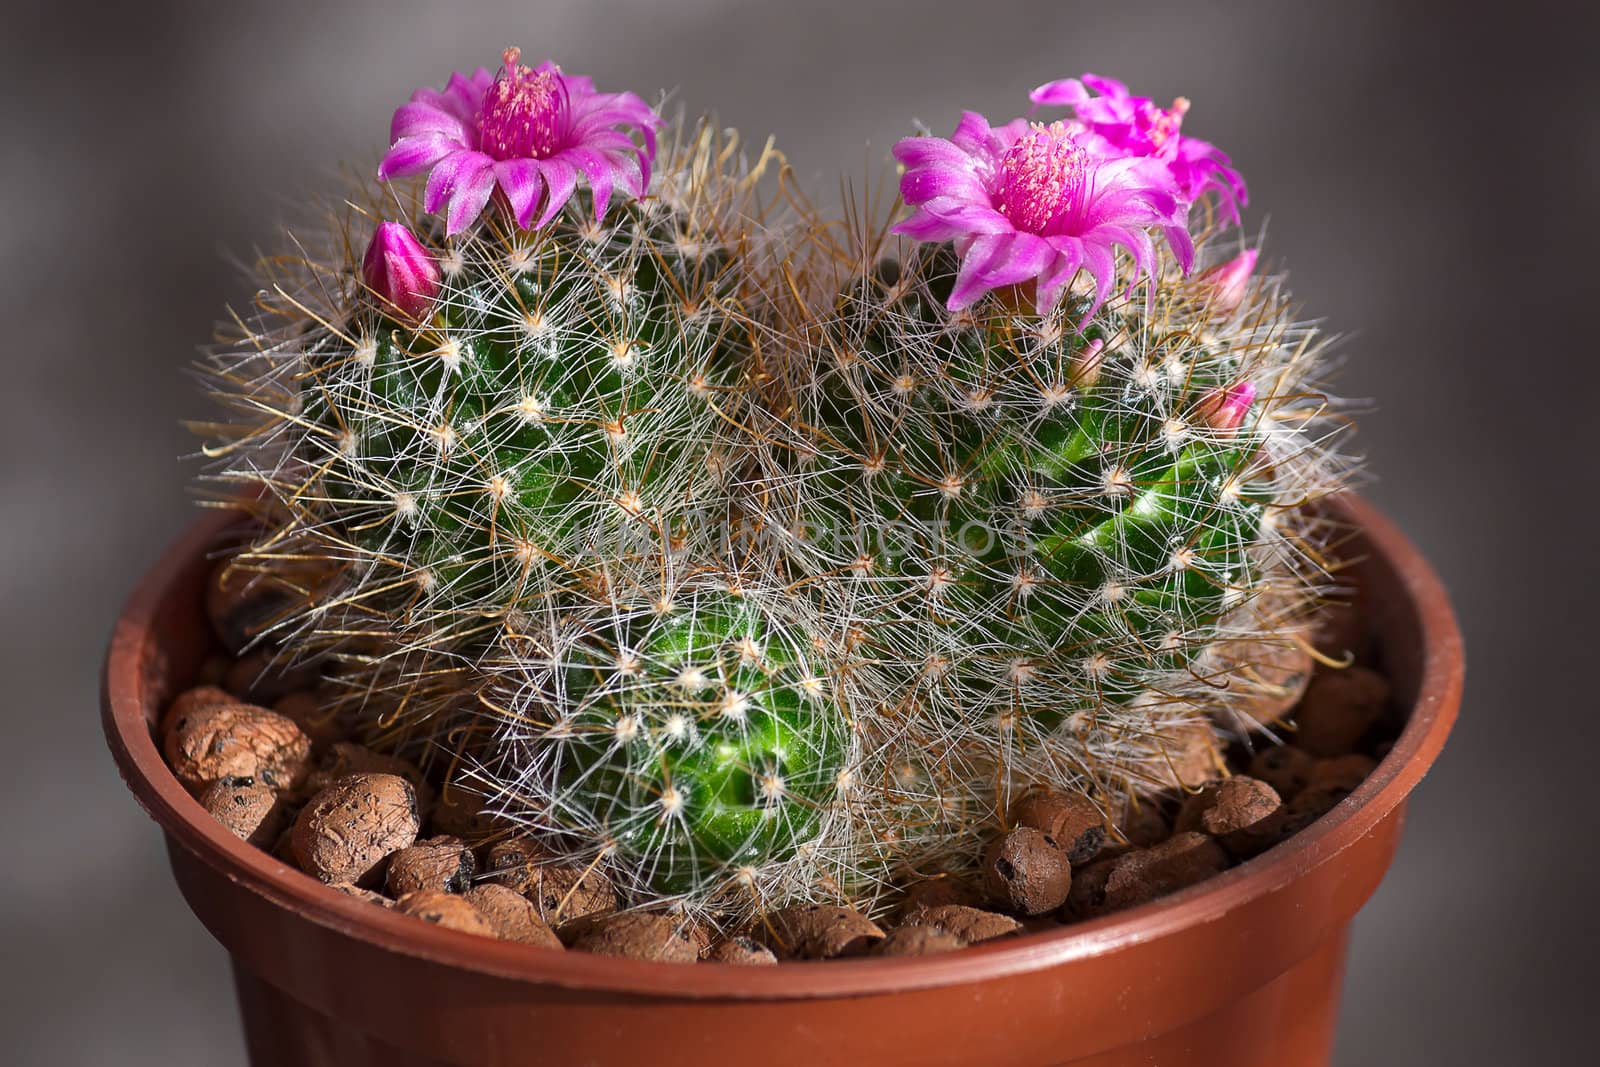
(1053, 528)
(688, 737)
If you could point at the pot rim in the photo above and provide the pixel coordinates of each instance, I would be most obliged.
(128, 732)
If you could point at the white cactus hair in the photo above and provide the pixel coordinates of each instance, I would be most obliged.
(968, 683)
(349, 538)
(542, 761)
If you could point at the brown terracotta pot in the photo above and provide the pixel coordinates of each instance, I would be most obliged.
(1241, 970)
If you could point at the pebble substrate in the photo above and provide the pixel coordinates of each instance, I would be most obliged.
(289, 780)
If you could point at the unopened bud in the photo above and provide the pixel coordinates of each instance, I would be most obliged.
(402, 273)
(1086, 361)
(1230, 281)
(1224, 409)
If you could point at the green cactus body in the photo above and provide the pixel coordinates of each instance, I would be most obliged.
(1036, 529)
(544, 417)
(693, 739)
(1037, 499)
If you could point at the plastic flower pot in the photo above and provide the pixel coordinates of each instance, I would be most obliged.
(1243, 969)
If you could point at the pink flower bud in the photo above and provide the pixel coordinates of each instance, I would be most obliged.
(1231, 280)
(400, 272)
(1084, 370)
(1224, 409)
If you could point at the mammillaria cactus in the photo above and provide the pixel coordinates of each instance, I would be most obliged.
(745, 571)
(488, 406)
(688, 737)
(470, 440)
(1044, 469)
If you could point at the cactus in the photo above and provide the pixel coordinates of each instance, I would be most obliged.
(690, 740)
(1054, 525)
(473, 448)
(543, 410)
(748, 570)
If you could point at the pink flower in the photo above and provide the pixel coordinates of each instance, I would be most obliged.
(1134, 125)
(400, 272)
(527, 132)
(1230, 281)
(1035, 204)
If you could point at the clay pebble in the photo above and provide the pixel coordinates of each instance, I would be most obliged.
(512, 915)
(817, 932)
(637, 936)
(1025, 872)
(444, 863)
(1340, 706)
(447, 910)
(216, 741)
(1072, 820)
(349, 830)
(971, 925)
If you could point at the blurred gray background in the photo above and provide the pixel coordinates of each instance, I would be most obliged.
(1428, 178)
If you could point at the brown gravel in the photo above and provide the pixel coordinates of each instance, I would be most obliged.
(308, 709)
(461, 813)
(512, 915)
(370, 896)
(918, 941)
(236, 741)
(344, 759)
(1339, 708)
(943, 889)
(1341, 772)
(566, 892)
(1087, 897)
(192, 700)
(1242, 813)
(445, 864)
(1284, 767)
(447, 910)
(1176, 863)
(740, 951)
(1071, 819)
(241, 603)
(250, 810)
(817, 932)
(349, 830)
(1144, 824)
(260, 679)
(637, 936)
(562, 891)
(1026, 873)
(969, 924)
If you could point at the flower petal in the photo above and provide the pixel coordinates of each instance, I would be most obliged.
(560, 179)
(522, 183)
(601, 173)
(921, 184)
(416, 119)
(1067, 92)
(413, 155)
(474, 184)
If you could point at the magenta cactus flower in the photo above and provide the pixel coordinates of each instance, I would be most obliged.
(400, 272)
(1036, 204)
(1229, 282)
(527, 132)
(1135, 125)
